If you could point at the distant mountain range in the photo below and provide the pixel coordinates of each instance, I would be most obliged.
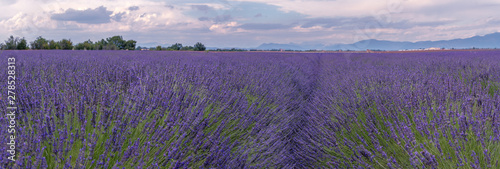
(154, 45)
(486, 41)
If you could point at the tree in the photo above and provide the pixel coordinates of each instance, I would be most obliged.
(87, 45)
(11, 43)
(110, 46)
(99, 45)
(40, 43)
(158, 47)
(14, 43)
(187, 48)
(22, 45)
(66, 44)
(176, 46)
(129, 45)
(118, 41)
(2, 46)
(54, 45)
(199, 47)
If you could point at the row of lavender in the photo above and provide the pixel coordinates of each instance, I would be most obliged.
(107, 109)
(413, 110)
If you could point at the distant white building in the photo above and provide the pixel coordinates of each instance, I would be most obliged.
(433, 48)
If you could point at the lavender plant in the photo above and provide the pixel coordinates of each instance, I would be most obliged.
(147, 109)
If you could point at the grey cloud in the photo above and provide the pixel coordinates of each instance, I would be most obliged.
(341, 22)
(258, 15)
(170, 6)
(222, 18)
(118, 17)
(133, 8)
(495, 21)
(89, 16)
(454, 8)
(431, 23)
(204, 8)
(324, 22)
(264, 26)
(8, 2)
(204, 19)
(407, 24)
(217, 19)
(365, 23)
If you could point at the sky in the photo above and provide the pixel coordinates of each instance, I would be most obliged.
(249, 23)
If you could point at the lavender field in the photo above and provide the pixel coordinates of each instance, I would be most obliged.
(153, 109)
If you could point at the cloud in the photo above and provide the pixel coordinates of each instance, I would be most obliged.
(249, 22)
(204, 8)
(367, 23)
(88, 16)
(224, 28)
(222, 18)
(217, 19)
(169, 6)
(326, 8)
(264, 26)
(323, 22)
(27, 25)
(495, 21)
(204, 19)
(133, 8)
(118, 17)
(8, 2)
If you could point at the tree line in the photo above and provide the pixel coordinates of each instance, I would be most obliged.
(111, 43)
(178, 46)
(40, 43)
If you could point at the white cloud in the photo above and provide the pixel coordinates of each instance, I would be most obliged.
(225, 28)
(211, 5)
(321, 8)
(149, 16)
(27, 24)
(310, 29)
